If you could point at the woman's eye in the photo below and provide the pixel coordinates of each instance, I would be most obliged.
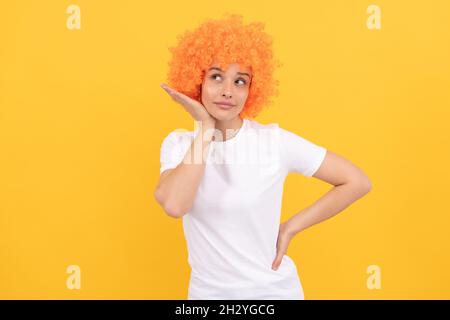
(218, 75)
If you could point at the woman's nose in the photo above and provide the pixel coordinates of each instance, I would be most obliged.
(227, 90)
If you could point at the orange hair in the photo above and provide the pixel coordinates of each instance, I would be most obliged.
(225, 41)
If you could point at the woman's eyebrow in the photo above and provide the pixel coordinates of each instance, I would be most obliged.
(242, 73)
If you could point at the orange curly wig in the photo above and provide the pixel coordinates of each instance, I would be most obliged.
(225, 41)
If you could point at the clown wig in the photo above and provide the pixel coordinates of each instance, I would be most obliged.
(225, 41)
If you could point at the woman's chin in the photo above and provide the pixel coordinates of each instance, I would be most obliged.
(222, 114)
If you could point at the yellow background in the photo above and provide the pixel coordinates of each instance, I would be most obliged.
(82, 119)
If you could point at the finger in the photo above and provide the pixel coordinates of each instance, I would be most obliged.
(167, 88)
(162, 85)
(173, 94)
(277, 261)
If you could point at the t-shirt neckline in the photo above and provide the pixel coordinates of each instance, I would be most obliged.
(234, 138)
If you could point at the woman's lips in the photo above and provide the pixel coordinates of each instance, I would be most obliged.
(223, 106)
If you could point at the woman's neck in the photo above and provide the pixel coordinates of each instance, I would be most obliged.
(233, 126)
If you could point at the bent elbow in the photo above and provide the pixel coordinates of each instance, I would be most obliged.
(174, 212)
(365, 184)
(170, 209)
(158, 196)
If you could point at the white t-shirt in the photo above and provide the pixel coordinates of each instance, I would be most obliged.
(232, 228)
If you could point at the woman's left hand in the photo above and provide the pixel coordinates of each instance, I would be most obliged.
(284, 237)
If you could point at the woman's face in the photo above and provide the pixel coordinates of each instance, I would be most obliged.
(229, 86)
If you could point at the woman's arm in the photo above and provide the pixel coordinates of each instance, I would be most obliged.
(177, 187)
(350, 184)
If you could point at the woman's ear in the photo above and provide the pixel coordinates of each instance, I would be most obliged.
(200, 93)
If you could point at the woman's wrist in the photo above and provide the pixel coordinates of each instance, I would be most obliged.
(206, 129)
(290, 228)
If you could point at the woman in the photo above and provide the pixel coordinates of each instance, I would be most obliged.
(225, 179)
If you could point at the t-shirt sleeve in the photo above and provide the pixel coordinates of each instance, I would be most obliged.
(299, 154)
(173, 149)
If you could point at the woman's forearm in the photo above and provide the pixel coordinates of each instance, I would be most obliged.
(333, 202)
(176, 192)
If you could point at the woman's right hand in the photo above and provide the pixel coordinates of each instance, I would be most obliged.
(195, 108)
